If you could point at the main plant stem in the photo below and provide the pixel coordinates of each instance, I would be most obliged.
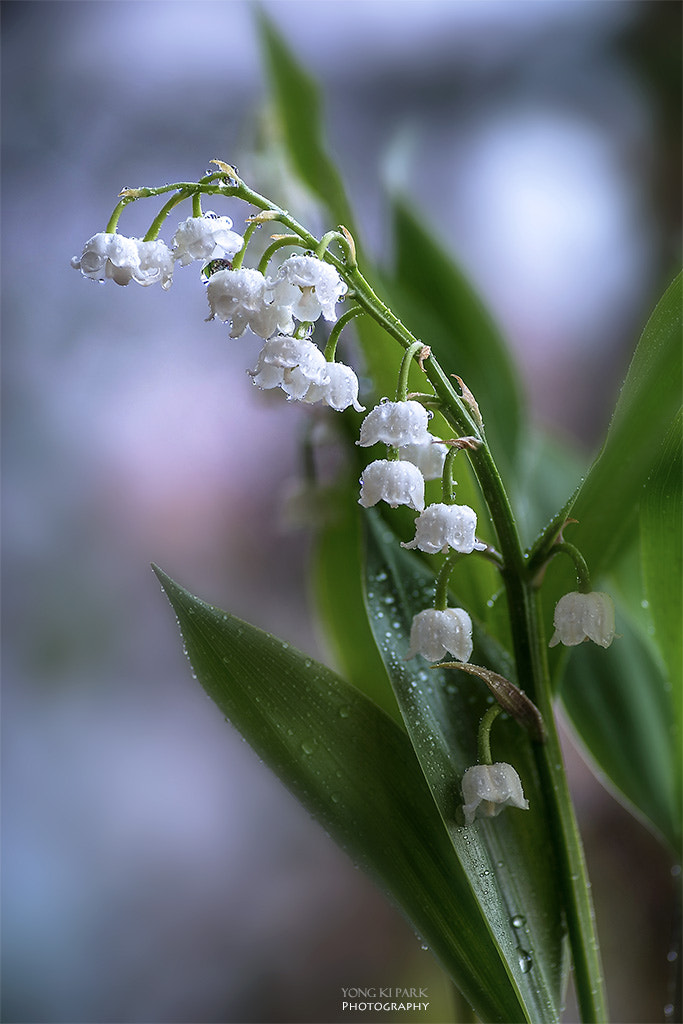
(532, 674)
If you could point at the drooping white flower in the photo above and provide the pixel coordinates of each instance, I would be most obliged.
(108, 255)
(435, 633)
(429, 457)
(309, 287)
(156, 264)
(487, 789)
(205, 238)
(580, 617)
(397, 483)
(293, 364)
(441, 527)
(395, 423)
(242, 297)
(340, 391)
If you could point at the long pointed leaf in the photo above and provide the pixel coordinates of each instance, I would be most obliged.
(356, 771)
(508, 860)
(297, 99)
(621, 708)
(606, 504)
(661, 545)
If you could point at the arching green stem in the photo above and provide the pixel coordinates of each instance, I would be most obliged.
(484, 734)
(582, 573)
(239, 256)
(155, 226)
(331, 347)
(116, 213)
(408, 356)
(447, 482)
(443, 576)
(279, 243)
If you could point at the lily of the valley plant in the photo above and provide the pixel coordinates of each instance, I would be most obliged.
(432, 753)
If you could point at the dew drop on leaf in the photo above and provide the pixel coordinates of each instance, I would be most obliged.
(525, 961)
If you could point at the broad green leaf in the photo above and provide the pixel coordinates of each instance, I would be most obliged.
(356, 771)
(661, 517)
(606, 504)
(607, 507)
(509, 859)
(297, 100)
(548, 469)
(621, 708)
(435, 300)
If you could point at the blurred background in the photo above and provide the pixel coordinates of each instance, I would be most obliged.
(153, 869)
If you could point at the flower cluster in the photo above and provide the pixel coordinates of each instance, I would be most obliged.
(281, 309)
(304, 288)
(441, 527)
(111, 256)
(114, 257)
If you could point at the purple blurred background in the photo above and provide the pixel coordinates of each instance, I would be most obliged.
(153, 869)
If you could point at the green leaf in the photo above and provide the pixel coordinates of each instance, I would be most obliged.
(433, 297)
(621, 708)
(606, 504)
(297, 100)
(356, 771)
(661, 543)
(508, 860)
(620, 701)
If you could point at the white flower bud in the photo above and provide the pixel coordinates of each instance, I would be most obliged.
(397, 483)
(292, 364)
(204, 238)
(435, 633)
(341, 390)
(580, 617)
(241, 297)
(441, 527)
(488, 788)
(308, 286)
(395, 423)
(156, 264)
(108, 255)
(429, 457)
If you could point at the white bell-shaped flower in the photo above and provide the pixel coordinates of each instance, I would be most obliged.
(395, 423)
(241, 297)
(340, 391)
(429, 457)
(293, 364)
(397, 483)
(435, 633)
(108, 256)
(205, 238)
(487, 789)
(156, 264)
(441, 527)
(309, 287)
(580, 617)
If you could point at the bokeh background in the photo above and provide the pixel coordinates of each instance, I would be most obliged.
(153, 869)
